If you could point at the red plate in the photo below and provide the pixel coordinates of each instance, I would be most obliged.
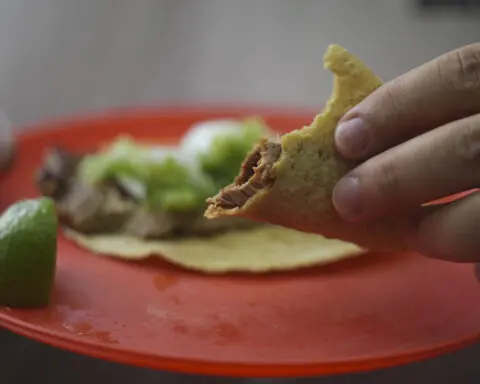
(376, 311)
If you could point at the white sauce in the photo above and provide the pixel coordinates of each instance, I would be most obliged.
(199, 138)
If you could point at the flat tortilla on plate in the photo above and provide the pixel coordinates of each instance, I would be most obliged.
(289, 181)
(262, 249)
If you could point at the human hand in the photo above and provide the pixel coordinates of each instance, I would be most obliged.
(420, 138)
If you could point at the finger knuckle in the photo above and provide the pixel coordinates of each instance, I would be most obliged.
(393, 97)
(387, 180)
(460, 68)
(467, 144)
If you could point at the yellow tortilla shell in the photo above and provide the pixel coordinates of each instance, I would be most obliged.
(310, 166)
(263, 249)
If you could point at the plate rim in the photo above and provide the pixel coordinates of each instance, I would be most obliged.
(207, 367)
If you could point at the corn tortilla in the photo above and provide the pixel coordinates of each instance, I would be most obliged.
(310, 166)
(258, 250)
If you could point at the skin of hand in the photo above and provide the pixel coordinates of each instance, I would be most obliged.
(418, 140)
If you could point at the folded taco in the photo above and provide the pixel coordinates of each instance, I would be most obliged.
(289, 180)
(133, 200)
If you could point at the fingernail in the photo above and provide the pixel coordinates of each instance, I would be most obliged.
(347, 198)
(351, 137)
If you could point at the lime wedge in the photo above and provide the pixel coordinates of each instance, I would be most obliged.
(28, 249)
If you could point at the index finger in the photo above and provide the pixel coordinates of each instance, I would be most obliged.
(442, 90)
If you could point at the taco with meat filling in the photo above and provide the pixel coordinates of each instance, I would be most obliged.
(289, 180)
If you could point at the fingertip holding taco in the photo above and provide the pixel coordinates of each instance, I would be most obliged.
(288, 181)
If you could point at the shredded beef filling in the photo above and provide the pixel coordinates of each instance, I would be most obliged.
(56, 173)
(257, 173)
(109, 208)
